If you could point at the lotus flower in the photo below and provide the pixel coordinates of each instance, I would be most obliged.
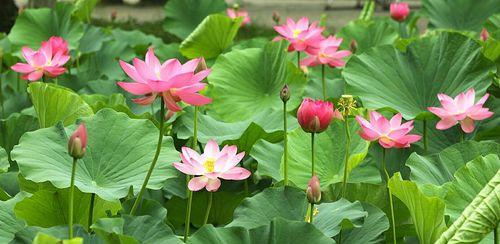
(388, 133)
(211, 165)
(484, 35)
(173, 81)
(315, 116)
(327, 53)
(399, 11)
(313, 191)
(461, 110)
(77, 143)
(235, 13)
(46, 61)
(301, 35)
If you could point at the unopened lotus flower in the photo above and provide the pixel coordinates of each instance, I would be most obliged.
(48, 60)
(301, 35)
(235, 13)
(388, 133)
(77, 143)
(484, 35)
(461, 110)
(211, 165)
(315, 116)
(399, 11)
(327, 54)
(173, 81)
(313, 191)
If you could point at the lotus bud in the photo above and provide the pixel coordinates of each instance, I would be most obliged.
(484, 34)
(285, 94)
(276, 17)
(353, 45)
(314, 116)
(399, 11)
(114, 13)
(202, 65)
(313, 191)
(77, 143)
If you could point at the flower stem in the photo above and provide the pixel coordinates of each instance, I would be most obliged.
(209, 206)
(323, 80)
(188, 216)
(285, 144)
(91, 210)
(298, 59)
(71, 193)
(495, 235)
(347, 155)
(311, 213)
(313, 172)
(153, 163)
(194, 144)
(426, 143)
(390, 196)
(195, 129)
(1, 100)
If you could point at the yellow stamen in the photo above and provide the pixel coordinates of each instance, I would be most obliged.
(386, 139)
(209, 164)
(296, 33)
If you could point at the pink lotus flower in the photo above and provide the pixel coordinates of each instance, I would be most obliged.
(460, 110)
(58, 44)
(313, 191)
(315, 116)
(211, 165)
(48, 60)
(399, 11)
(388, 133)
(233, 14)
(173, 81)
(301, 35)
(77, 143)
(327, 53)
(484, 35)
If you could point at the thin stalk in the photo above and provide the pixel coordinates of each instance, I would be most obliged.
(390, 196)
(209, 206)
(426, 143)
(55, 81)
(187, 220)
(91, 209)
(71, 193)
(311, 213)
(313, 172)
(298, 59)
(462, 134)
(323, 80)
(1, 99)
(188, 216)
(153, 163)
(347, 155)
(78, 63)
(495, 235)
(285, 142)
(195, 129)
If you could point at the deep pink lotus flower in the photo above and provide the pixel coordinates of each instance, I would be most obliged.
(388, 133)
(233, 14)
(211, 165)
(58, 44)
(461, 110)
(484, 35)
(173, 81)
(327, 53)
(399, 11)
(45, 61)
(315, 116)
(301, 35)
(77, 143)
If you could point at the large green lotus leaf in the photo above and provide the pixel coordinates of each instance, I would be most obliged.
(42, 238)
(47, 208)
(36, 25)
(119, 153)
(28, 234)
(183, 16)
(15, 98)
(375, 224)
(409, 81)
(276, 232)
(243, 82)
(55, 104)
(211, 38)
(4, 161)
(459, 14)
(367, 34)
(134, 229)
(268, 156)
(330, 151)
(331, 216)
(427, 213)
(92, 39)
(135, 38)
(83, 9)
(12, 128)
(9, 224)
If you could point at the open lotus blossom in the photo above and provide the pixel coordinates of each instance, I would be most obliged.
(388, 133)
(48, 60)
(235, 13)
(461, 110)
(301, 35)
(315, 116)
(211, 165)
(173, 81)
(399, 11)
(327, 53)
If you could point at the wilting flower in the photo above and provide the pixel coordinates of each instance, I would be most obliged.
(235, 13)
(327, 53)
(211, 165)
(315, 116)
(399, 11)
(313, 191)
(461, 110)
(484, 35)
(301, 35)
(173, 81)
(77, 143)
(388, 133)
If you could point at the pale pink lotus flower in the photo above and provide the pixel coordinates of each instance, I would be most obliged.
(460, 110)
(484, 35)
(235, 13)
(45, 61)
(211, 165)
(388, 133)
(301, 35)
(399, 11)
(173, 81)
(327, 54)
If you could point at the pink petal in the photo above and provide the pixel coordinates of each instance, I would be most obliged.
(135, 88)
(446, 123)
(467, 125)
(194, 99)
(440, 112)
(131, 72)
(27, 53)
(213, 185)
(22, 68)
(170, 102)
(396, 120)
(145, 100)
(483, 99)
(236, 173)
(35, 75)
(211, 149)
(197, 183)
(54, 71)
(152, 60)
(185, 168)
(144, 70)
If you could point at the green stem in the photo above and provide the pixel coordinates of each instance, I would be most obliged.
(313, 172)
(153, 163)
(426, 143)
(195, 129)
(495, 235)
(347, 155)
(188, 215)
(55, 81)
(298, 59)
(209, 206)
(187, 220)
(1, 99)
(78, 63)
(71, 193)
(285, 142)
(311, 213)
(91, 209)
(323, 80)
(390, 196)
(462, 134)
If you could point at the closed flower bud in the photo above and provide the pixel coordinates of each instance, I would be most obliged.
(313, 191)
(399, 11)
(315, 116)
(276, 17)
(353, 46)
(114, 14)
(77, 143)
(285, 93)
(202, 65)
(484, 34)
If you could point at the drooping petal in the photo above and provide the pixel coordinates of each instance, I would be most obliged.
(35, 75)
(194, 98)
(235, 173)
(185, 168)
(22, 68)
(446, 123)
(197, 183)
(213, 185)
(467, 125)
(135, 88)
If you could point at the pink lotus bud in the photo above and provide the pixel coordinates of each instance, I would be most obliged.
(276, 17)
(399, 11)
(114, 13)
(353, 45)
(313, 191)
(285, 93)
(484, 34)
(77, 143)
(314, 116)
